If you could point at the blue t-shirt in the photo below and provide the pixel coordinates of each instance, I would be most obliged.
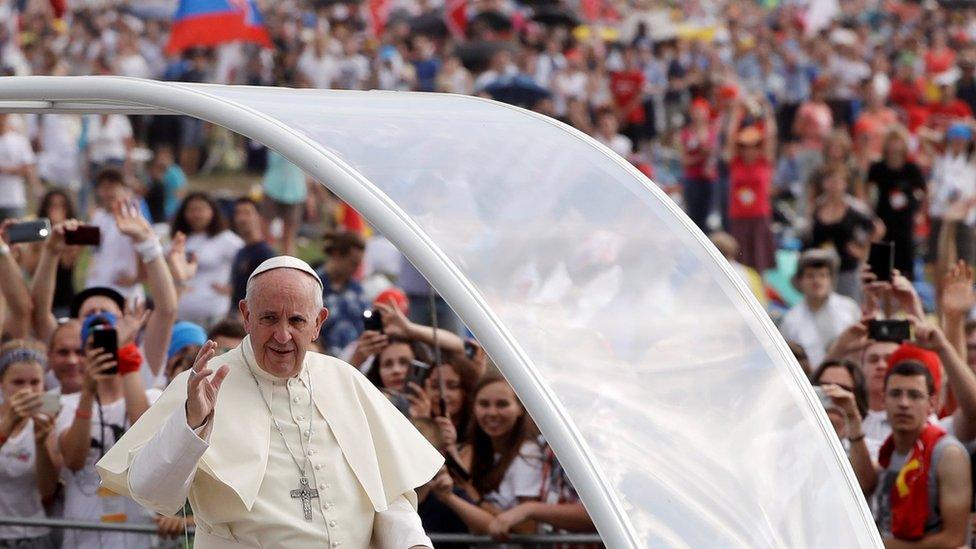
(247, 259)
(346, 308)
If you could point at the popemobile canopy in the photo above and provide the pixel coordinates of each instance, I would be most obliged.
(664, 389)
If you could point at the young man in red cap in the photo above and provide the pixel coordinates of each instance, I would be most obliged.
(920, 491)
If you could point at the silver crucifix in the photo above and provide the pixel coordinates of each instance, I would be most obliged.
(306, 494)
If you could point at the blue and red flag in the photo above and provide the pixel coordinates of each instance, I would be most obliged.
(214, 22)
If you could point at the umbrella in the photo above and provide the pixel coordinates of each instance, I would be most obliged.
(429, 24)
(555, 16)
(494, 20)
(519, 90)
(475, 56)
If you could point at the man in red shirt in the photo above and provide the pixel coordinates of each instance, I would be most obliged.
(627, 89)
(949, 108)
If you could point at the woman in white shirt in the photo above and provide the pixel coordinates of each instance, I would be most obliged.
(952, 183)
(27, 472)
(504, 458)
(205, 298)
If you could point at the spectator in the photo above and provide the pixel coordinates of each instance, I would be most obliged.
(729, 249)
(184, 344)
(113, 262)
(56, 206)
(750, 156)
(65, 358)
(823, 314)
(206, 296)
(845, 224)
(167, 185)
(285, 190)
(249, 227)
(699, 141)
(343, 295)
(953, 182)
(109, 141)
(227, 334)
(875, 424)
(27, 472)
(846, 375)
(89, 424)
(505, 460)
(390, 370)
(931, 504)
(900, 188)
(17, 162)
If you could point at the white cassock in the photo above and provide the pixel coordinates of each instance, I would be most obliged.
(365, 460)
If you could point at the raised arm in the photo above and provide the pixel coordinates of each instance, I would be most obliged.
(45, 279)
(395, 323)
(160, 325)
(14, 291)
(864, 469)
(75, 442)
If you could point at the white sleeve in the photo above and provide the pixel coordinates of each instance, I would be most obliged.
(526, 476)
(399, 527)
(161, 471)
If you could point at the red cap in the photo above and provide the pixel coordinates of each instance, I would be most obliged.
(395, 296)
(728, 91)
(702, 104)
(930, 359)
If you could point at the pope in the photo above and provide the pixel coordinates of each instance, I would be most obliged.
(275, 445)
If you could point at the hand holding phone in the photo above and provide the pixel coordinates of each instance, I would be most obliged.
(51, 403)
(895, 331)
(107, 339)
(418, 373)
(372, 320)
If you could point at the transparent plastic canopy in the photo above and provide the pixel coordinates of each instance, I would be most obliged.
(658, 379)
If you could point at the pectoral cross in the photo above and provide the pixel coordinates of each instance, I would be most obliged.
(306, 494)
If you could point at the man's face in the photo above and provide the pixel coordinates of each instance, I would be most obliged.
(246, 218)
(98, 304)
(66, 357)
(816, 282)
(875, 365)
(907, 402)
(109, 192)
(348, 262)
(282, 320)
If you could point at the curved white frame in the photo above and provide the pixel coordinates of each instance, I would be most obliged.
(137, 96)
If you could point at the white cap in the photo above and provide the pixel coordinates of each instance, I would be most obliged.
(285, 262)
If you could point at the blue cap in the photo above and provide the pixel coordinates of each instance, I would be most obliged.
(96, 319)
(958, 130)
(388, 53)
(185, 334)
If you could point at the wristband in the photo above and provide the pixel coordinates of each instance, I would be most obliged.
(149, 249)
(858, 438)
(130, 359)
(4, 249)
(81, 414)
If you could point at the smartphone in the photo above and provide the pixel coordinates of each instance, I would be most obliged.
(895, 331)
(418, 373)
(372, 320)
(84, 235)
(28, 231)
(881, 259)
(51, 403)
(106, 339)
(470, 349)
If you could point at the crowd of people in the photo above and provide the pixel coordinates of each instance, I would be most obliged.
(799, 140)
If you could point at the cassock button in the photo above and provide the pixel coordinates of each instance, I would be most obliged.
(297, 399)
(336, 543)
(305, 433)
(318, 466)
(332, 524)
(328, 505)
(311, 452)
(301, 418)
(321, 486)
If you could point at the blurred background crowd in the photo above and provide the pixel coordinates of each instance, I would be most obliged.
(826, 148)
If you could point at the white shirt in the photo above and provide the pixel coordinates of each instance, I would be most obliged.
(115, 257)
(953, 178)
(522, 479)
(342, 515)
(59, 156)
(815, 330)
(83, 500)
(106, 141)
(15, 152)
(200, 302)
(20, 496)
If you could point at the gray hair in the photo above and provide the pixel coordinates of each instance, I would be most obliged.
(317, 300)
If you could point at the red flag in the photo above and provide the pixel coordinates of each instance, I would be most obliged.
(378, 14)
(456, 17)
(213, 22)
(59, 7)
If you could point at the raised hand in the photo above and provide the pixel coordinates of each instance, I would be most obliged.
(43, 424)
(957, 290)
(130, 222)
(368, 344)
(395, 323)
(447, 429)
(96, 364)
(419, 400)
(843, 398)
(136, 316)
(55, 242)
(182, 268)
(201, 392)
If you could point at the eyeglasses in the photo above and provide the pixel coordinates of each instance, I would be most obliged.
(913, 394)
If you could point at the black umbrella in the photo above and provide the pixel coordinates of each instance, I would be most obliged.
(519, 90)
(555, 16)
(494, 20)
(475, 56)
